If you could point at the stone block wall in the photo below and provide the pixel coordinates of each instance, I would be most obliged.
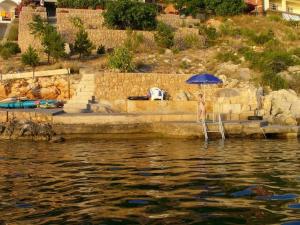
(33, 116)
(94, 24)
(176, 21)
(115, 88)
(25, 38)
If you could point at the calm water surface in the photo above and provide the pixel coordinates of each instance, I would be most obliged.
(150, 181)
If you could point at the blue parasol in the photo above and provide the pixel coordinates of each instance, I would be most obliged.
(204, 79)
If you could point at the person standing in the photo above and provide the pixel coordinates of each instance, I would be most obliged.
(201, 108)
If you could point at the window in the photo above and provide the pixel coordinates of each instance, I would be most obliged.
(273, 6)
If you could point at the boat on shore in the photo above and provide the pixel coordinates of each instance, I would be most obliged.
(29, 104)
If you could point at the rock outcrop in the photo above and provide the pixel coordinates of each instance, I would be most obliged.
(39, 88)
(282, 107)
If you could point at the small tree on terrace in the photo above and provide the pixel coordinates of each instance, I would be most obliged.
(83, 46)
(51, 40)
(31, 58)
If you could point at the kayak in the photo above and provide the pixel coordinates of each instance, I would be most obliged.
(29, 104)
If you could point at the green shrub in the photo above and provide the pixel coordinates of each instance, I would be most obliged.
(121, 59)
(133, 40)
(273, 80)
(192, 41)
(5, 53)
(228, 56)
(209, 33)
(8, 49)
(225, 7)
(296, 52)
(164, 36)
(124, 14)
(228, 29)
(80, 4)
(101, 50)
(31, 58)
(12, 47)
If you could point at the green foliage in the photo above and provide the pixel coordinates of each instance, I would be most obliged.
(9, 49)
(82, 46)
(51, 40)
(133, 40)
(225, 7)
(31, 58)
(263, 38)
(296, 52)
(5, 53)
(228, 56)
(209, 33)
(121, 59)
(190, 7)
(101, 50)
(274, 81)
(164, 36)
(192, 41)
(124, 14)
(228, 29)
(80, 4)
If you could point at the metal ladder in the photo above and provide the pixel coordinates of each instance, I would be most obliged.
(220, 130)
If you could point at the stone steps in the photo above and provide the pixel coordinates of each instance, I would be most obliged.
(81, 101)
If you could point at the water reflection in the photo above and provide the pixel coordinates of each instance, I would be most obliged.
(152, 181)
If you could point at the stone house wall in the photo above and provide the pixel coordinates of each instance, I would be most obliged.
(176, 21)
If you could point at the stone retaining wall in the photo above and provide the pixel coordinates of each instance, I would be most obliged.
(114, 88)
(94, 24)
(6, 116)
(25, 38)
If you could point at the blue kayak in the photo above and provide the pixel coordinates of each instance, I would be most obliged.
(27, 104)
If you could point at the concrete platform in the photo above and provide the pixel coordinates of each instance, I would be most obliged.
(52, 112)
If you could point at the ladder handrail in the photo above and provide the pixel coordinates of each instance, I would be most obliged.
(205, 130)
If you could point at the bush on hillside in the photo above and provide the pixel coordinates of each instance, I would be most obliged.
(225, 7)
(228, 56)
(133, 40)
(274, 81)
(121, 59)
(81, 4)
(101, 50)
(127, 14)
(164, 36)
(9, 49)
(209, 33)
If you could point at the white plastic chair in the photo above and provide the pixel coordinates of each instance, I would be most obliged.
(156, 94)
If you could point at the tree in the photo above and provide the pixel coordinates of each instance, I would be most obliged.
(83, 46)
(190, 7)
(164, 37)
(225, 7)
(124, 14)
(51, 40)
(31, 58)
(121, 59)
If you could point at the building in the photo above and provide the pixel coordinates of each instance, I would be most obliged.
(290, 9)
(8, 10)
